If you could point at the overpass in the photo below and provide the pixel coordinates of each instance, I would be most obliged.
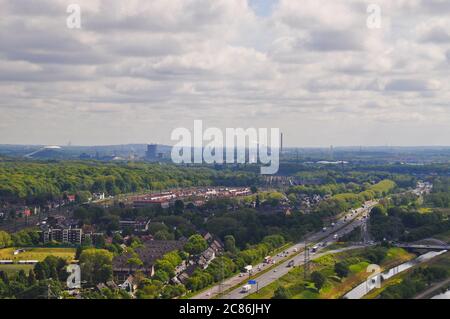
(426, 247)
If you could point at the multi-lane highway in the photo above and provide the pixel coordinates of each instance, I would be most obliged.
(282, 269)
(319, 240)
(346, 224)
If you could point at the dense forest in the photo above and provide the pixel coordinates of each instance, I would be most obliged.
(440, 197)
(40, 181)
(397, 223)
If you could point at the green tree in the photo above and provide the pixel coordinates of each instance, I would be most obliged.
(21, 277)
(41, 270)
(318, 279)
(150, 291)
(82, 197)
(134, 262)
(341, 269)
(31, 278)
(5, 239)
(195, 245)
(282, 293)
(166, 266)
(4, 277)
(78, 252)
(230, 244)
(53, 273)
(179, 207)
(257, 202)
(96, 265)
(161, 275)
(164, 235)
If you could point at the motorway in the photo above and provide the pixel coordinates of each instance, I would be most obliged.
(344, 225)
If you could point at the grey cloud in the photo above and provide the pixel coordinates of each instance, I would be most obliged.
(436, 6)
(143, 64)
(436, 35)
(34, 7)
(330, 40)
(185, 16)
(143, 46)
(45, 45)
(409, 85)
(60, 57)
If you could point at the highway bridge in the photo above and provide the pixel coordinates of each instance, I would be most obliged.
(426, 247)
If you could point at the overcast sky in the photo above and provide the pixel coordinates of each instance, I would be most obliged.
(138, 69)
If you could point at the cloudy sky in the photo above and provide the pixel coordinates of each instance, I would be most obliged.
(138, 69)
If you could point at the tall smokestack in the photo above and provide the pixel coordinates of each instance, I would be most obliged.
(281, 142)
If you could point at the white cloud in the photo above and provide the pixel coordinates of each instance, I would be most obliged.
(145, 67)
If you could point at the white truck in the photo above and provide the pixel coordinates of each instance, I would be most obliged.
(246, 288)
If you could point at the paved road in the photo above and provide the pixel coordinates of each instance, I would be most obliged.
(282, 269)
(344, 225)
(426, 247)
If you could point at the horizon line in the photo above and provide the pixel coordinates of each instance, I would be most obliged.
(284, 147)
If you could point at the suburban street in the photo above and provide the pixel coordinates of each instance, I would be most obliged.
(344, 225)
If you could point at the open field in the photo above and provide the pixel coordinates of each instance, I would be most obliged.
(12, 269)
(334, 287)
(36, 253)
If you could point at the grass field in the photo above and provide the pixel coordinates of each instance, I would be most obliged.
(36, 253)
(11, 269)
(335, 287)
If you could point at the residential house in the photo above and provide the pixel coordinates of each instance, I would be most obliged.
(148, 254)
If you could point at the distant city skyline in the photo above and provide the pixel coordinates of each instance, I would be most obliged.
(137, 70)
